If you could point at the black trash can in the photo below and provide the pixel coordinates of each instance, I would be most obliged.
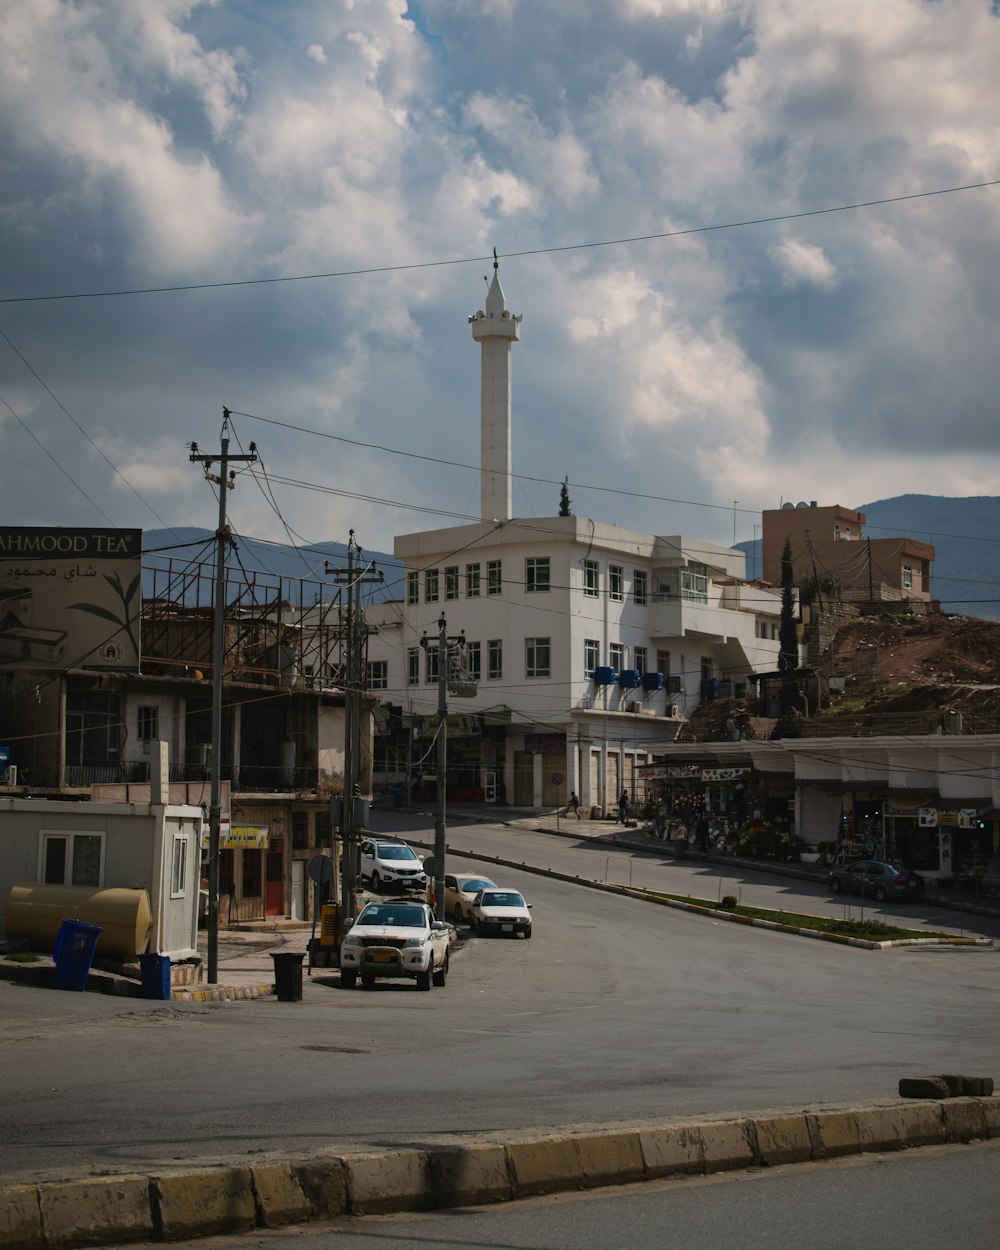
(288, 975)
(154, 974)
(76, 942)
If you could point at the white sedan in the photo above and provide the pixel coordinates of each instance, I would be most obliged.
(500, 911)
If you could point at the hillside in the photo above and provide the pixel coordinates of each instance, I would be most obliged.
(890, 675)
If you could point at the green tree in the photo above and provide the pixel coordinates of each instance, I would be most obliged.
(564, 499)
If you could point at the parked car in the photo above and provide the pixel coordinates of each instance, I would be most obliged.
(877, 880)
(390, 862)
(500, 911)
(396, 939)
(460, 890)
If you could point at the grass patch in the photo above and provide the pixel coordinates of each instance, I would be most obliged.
(23, 957)
(875, 930)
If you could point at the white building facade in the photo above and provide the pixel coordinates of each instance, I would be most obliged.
(589, 645)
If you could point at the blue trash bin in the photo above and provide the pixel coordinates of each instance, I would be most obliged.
(154, 972)
(74, 954)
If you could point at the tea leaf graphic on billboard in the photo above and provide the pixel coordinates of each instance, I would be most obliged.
(124, 620)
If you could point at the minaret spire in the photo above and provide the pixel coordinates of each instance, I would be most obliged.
(494, 330)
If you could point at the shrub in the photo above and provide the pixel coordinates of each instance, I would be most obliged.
(729, 901)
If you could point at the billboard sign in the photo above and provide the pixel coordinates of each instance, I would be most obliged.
(70, 598)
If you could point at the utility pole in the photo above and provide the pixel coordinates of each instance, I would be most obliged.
(353, 578)
(225, 480)
(458, 684)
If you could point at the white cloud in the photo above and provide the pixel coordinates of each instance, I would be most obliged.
(803, 263)
(315, 52)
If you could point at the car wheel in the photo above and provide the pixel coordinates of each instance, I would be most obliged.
(441, 974)
(347, 979)
(368, 979)
(376, 883)
(527, 932)
(880, 894)
(424, 981)
(835, 885)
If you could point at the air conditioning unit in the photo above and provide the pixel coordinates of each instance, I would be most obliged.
(633, 705)
(585, 701)
(672, 710)
(11, 778)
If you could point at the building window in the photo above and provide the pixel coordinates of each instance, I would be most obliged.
(430, 585)
(472, 581)
(639, 661)
(413, 587)
(300, 828)
(451, 582)
(148, 726)
(72, 859)
(639, 586)
(412, 666)
(694, 583)
(591, 578)
(616, 582)
(616, 656)
(431, 664)
(907, 576)
(494, 577)
(591, 656)
(536, 657)
(494, 659)
(474, 660)
(663, 663)
(536, 574)
(378, 674)
(178, 866)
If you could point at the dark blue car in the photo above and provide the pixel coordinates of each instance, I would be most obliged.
(877, 880)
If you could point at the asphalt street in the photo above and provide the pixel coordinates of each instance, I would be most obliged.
(615, 1011)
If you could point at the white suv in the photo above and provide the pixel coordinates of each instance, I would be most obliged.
(387, 861)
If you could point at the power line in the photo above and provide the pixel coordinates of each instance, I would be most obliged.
(478, 260)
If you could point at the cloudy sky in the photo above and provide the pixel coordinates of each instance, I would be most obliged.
(843, 357)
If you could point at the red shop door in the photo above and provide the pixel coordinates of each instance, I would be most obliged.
(274, 879)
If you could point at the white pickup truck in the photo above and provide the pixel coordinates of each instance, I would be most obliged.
(396, 939)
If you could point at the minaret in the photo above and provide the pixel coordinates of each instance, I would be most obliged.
(495, 330)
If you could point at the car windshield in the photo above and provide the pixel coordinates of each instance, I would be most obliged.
(400, 917)
(502, 898)
(395, 852)
(472, 885)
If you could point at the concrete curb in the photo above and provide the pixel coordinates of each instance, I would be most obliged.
(204, 1201)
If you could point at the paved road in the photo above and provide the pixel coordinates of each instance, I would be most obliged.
(919, 1200)
(616, 1011)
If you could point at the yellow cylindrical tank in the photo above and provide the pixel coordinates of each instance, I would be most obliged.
(36, 912)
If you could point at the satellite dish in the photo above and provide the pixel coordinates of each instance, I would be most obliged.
(802, 504)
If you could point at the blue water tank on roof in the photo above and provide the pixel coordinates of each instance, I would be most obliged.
(629, 678)
(652, 681)
(604, 675)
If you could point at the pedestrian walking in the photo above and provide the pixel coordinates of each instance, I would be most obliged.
(574, 804)
(623, 807)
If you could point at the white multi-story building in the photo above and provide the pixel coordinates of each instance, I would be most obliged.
(587, 644)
